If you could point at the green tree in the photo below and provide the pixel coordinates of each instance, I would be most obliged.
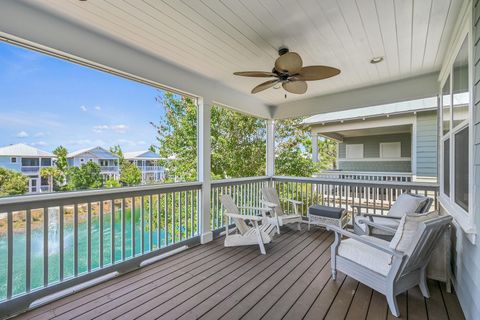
(177, 137)
(87, 176)
(130, 174)
(327, 153)
(293, 145)
(12, 183)
(112, 183)
(56, 178)
(61, 153)
(238, 144)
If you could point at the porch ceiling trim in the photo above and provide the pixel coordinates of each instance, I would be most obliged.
(31, 25)
(418, 87)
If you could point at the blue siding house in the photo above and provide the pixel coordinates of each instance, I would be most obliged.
(108, 162)
(397, 140)
(29, 161)
(147, 162)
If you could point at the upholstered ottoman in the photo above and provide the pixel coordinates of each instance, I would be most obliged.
(323, 216)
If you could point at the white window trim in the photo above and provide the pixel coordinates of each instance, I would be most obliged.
(396, 144)
(357, 145)
(466, 220)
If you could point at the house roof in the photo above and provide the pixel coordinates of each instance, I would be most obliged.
(374, 111)
(141, 155)
(23, 150)
(92, 151)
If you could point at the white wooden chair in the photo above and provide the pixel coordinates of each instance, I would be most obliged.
(246, 235)
(390, 268)
(280, 217)
(384, 226)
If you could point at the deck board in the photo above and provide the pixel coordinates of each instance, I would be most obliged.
(292, 281)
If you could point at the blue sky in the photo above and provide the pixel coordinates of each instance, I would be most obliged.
(47, 102)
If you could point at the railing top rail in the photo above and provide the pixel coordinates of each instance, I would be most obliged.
(367, 173)
(362, 183)
(99, 193)
(224, 182)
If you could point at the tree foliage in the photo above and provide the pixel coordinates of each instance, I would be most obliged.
(238, 144)
(87, 176)
(57, 174)
(130, 174)
(12, 183)
(177, 136)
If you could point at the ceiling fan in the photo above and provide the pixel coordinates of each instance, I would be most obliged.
(289, 72)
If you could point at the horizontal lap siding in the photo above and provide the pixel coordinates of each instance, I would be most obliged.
(371, 144)
(375, 166)
(426, 150)
(468, 264)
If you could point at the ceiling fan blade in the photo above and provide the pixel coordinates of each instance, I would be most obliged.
(290, 63)
(259, 74)
(297, 87)
(316, 73)
(265, 85)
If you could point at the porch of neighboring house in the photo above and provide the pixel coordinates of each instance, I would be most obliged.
(213, 282)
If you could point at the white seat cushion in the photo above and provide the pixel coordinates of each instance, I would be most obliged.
(406, 203)
(391, 223)
(365, 255)
(403, 238)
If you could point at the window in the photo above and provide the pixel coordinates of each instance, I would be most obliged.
(30, 162)
(13, 160)
(391, 150)
(46, 162)
(455, 180)
(446, 167)
(354, 151)
(82, 160)
(461, 168)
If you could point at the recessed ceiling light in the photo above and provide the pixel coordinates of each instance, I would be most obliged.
(376, 60)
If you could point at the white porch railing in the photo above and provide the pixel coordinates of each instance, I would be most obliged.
(109, 168)
(365, 176)
(30, 169)
(50, 242)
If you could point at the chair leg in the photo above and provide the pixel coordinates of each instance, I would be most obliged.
(423, 283)
(392, 304)
(299, 227)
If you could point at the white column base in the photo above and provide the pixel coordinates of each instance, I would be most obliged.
(206, 237)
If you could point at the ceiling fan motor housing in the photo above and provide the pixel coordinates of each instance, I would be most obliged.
(282, 51)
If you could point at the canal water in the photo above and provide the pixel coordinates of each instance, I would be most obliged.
(37, 240)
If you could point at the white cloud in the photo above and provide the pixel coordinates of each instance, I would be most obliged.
(39, 134)
(98, 108)
(39, 143)
(83, 108)
(119, 128)
(22, 134)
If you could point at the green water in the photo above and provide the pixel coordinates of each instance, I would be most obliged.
(37, 238)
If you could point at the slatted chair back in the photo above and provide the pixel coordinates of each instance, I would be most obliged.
(231, 207)
(271, 195)
(423, 244)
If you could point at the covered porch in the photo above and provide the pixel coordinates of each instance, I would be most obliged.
(165, 256)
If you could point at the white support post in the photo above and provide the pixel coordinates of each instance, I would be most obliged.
(314, 147)
(204, 175)
(270, 148)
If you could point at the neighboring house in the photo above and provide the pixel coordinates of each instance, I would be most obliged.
(108, 162)
(147, 162)
(397, 141)
(29, 161)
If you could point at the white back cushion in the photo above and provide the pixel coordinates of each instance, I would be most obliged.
(406, 203)
(408, 227)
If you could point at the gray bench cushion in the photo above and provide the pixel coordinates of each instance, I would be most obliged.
(324, 211)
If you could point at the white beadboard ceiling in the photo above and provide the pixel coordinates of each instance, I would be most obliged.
(217, 37)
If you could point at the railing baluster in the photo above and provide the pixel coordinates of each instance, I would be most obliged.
(10, 254)
(165, 216)
(180, 215)
(124, 218)
(133, 225)
(75, 239)
(45, 246)
(192, 208)
(174, 224)
(112, 231)
(62, 243)
(142, 224)
(100, 230)
(28, 250)
(159, 232)
(89, 236)
(150, 222)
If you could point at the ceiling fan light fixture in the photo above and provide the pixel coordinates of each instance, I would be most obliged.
(376, 60)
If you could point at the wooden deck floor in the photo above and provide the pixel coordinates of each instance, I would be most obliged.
(212, 282)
